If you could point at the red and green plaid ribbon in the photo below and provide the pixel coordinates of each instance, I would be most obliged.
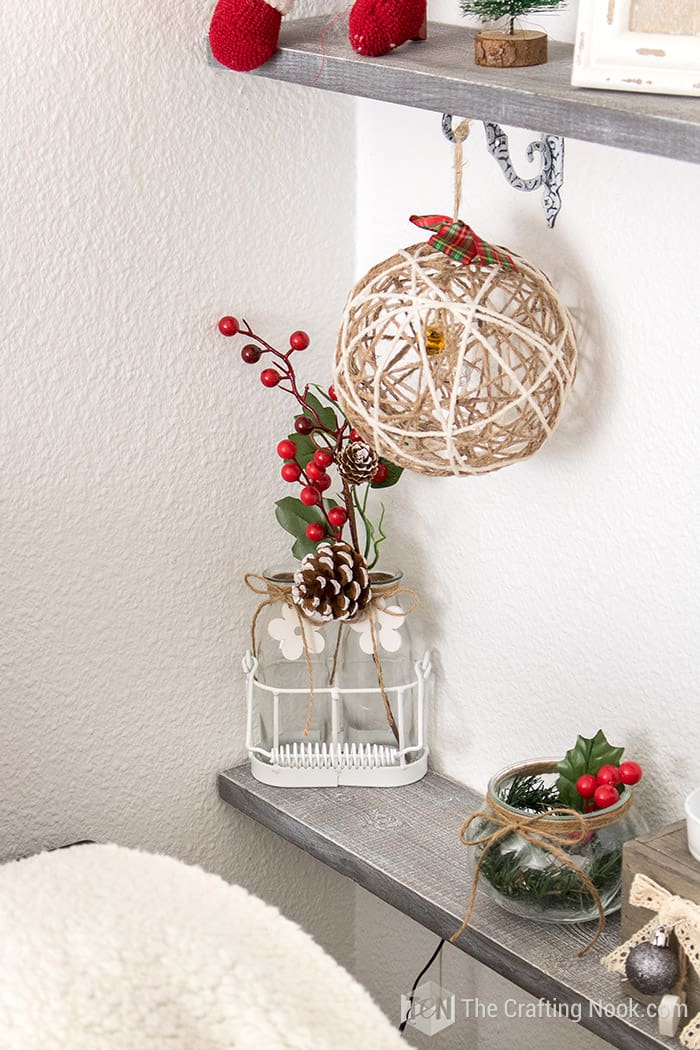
(459, 241)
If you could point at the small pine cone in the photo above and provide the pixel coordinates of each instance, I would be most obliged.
(332, 583)
(357, 463)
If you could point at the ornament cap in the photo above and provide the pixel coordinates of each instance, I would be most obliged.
(662, 937)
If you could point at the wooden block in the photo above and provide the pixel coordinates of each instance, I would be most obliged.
(663, 856)
(523, 47)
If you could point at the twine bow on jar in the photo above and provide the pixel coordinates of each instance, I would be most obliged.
(555, 836)
(274, 592)
(671, 912)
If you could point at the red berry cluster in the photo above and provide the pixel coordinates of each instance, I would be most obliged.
(601, 789)
(251, 353)
(314, 481)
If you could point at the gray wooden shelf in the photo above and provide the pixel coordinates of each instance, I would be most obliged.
(402, 845)
(439, 74)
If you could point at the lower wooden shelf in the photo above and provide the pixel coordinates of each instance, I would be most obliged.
(402, 844)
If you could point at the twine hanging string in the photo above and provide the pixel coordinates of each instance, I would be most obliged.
(555, 836)
(673, 913)
(274, 593)
(460, 135)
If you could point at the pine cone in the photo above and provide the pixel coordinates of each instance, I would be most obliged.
(357, 463)
(332, 583)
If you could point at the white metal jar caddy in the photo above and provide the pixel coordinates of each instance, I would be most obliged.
(336, 703)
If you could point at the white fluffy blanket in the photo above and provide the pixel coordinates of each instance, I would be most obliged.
(104, 948)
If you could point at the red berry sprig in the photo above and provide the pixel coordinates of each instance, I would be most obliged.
(311, 474)
(601, 789)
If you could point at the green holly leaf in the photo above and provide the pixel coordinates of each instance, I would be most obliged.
(337, 410)
(294, 516)
(302, 547)
(587, 756)
(305, 448)
(392, 476)
(325, 412)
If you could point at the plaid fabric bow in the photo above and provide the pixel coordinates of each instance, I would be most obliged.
(456, 239)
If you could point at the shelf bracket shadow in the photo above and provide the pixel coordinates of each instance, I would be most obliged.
(550, 179)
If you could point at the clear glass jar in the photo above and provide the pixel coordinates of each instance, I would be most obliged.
(528, 880)
(338, 702)
(370, 713)
(283, 707)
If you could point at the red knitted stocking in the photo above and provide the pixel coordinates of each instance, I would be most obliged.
(379, 26)
(243, 33)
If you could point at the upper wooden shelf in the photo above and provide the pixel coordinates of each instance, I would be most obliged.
(402, 844)
(439, 74)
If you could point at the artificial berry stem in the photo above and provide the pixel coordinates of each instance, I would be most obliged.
(323, 437)
(349, 504)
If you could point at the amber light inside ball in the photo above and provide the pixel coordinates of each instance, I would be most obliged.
(452, 369)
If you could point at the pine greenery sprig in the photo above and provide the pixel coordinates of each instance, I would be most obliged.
(531, 794)
(553, 886)
(493, 10)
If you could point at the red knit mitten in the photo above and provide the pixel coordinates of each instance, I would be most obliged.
(378, 26)
(243, 33)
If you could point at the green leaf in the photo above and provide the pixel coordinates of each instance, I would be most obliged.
(587, 756)
(325, 412)
(335, 407)
(302, 547)
(305, 448)
(393, 475)
(294, 516)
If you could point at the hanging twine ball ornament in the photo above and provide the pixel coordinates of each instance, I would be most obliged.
(357, 463)
(653, 967)
(454, 357)
(332, 583)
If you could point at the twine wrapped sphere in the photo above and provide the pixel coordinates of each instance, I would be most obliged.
(446, 368)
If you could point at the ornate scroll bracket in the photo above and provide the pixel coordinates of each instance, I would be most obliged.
(551, 177)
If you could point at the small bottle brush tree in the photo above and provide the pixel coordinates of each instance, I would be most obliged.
(495, 10)
(527, 48)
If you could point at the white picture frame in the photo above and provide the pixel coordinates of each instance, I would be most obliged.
(638, 45)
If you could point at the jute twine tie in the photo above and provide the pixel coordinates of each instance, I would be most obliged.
(274, 593)
(673, 913)
(570, 828)
(461, 134)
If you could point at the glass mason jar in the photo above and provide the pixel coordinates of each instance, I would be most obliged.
(288, 671)
(337, 702)
(376, 669)
(529, 880)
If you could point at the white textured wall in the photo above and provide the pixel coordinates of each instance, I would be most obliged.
(564, 592)
(137, 185)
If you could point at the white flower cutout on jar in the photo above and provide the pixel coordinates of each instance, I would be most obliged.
(387, 628)
(286, 629)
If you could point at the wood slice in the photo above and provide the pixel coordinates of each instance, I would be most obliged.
(523, 47)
